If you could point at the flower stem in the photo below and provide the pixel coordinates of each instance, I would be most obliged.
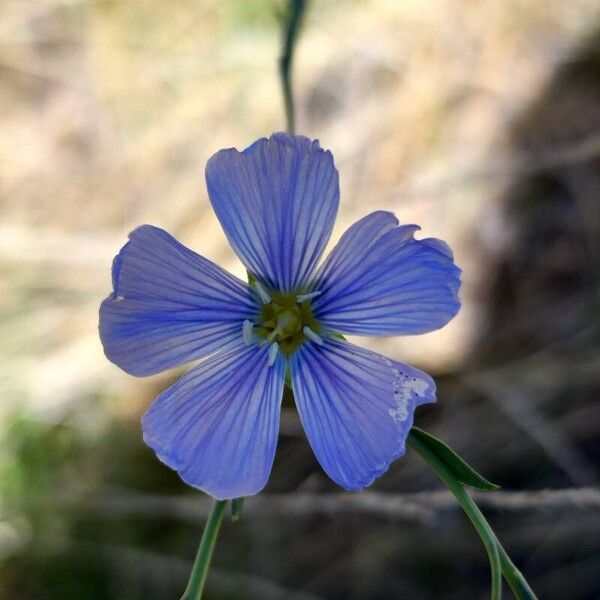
(500, 562)
(195, 585)
(517, 582)
(292, 22)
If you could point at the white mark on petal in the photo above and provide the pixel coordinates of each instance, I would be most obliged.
(247, 328)
(311, 335)
(405, 388)
(260, 290)
(303, 297)
(273, 350)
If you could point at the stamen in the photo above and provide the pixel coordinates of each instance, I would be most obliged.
(311, 335)
(260, 290)
(247, 328)
(273, 350)
(303, 297)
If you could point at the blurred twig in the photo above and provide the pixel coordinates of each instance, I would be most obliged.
(552, 439)
(499, 385)
(423, 507)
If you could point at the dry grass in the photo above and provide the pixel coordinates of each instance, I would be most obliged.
(110, 109)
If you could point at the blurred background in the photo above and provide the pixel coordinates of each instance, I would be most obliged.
(478, 120)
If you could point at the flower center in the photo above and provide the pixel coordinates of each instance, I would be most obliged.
(285, 321)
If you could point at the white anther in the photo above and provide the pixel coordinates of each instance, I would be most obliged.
(260, 290)
(247, 328)
(273, 350)
(303, 297)
(311, 335)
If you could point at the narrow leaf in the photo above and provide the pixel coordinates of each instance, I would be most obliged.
(455, 464)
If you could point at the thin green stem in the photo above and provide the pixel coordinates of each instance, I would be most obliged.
(292, 22)
(472, 511)
(195, 585)
(517, 582)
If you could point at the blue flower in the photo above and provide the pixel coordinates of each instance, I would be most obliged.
(218, 425)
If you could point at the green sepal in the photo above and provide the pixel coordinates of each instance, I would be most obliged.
(455, 464)
(236, 509)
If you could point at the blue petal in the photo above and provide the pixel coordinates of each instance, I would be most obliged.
(218, 425)
(169, 305)
(277, 201)
(379, 280)
(356, 407)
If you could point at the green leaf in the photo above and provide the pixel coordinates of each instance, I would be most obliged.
(236, 508)
(455, 464)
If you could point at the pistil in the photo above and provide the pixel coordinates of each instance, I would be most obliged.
(285, 321)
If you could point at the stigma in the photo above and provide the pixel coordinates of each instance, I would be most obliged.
(285, 321)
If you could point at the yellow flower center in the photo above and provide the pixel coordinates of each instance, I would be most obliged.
(284, 320)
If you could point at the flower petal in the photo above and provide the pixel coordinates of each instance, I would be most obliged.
(356, 407)
(218, 425)
(169, 305)
(379, 280)
(277, 201)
